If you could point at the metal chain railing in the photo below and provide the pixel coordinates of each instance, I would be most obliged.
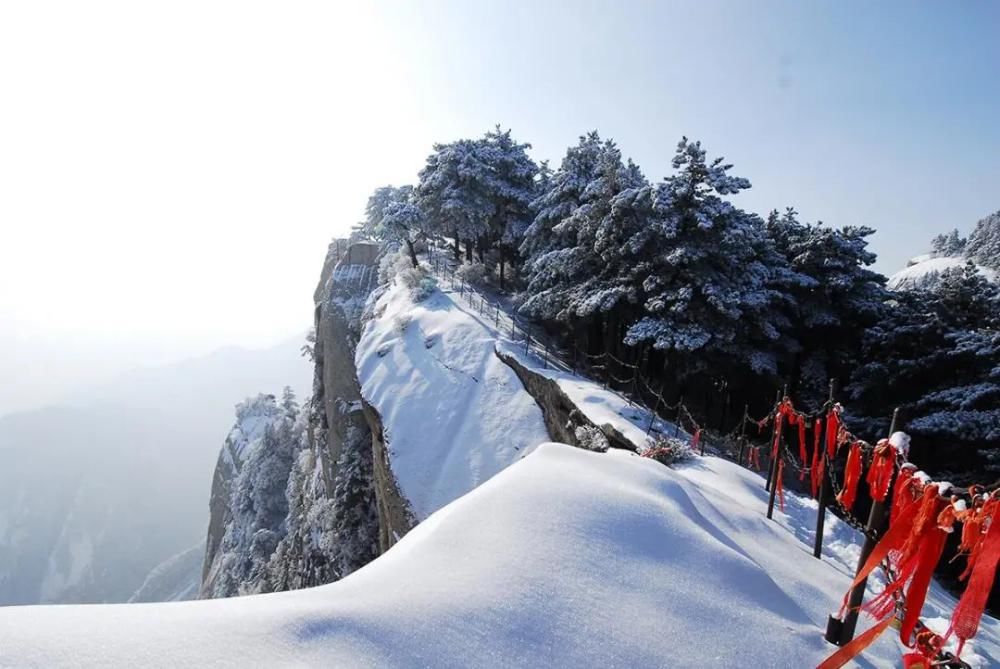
(600, 366)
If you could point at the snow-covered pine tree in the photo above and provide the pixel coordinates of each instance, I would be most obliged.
(328, 533)
(574, 247)
(948, 245)
(983, 245)
(828, 296)
(479, 191)
(706, 293)
(558, 196)
(392, 214)
(936, 355)
(511, 188)
(452, 195)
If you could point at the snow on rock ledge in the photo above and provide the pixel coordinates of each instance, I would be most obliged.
(922, 272)
(452, 414)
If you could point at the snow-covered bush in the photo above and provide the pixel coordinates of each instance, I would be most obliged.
(668, 450)
(424, 289)
(397, 265)
(400, 322)
(392, 263)
(472, 273)
(591, 438)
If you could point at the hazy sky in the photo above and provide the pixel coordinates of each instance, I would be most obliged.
(170, 173)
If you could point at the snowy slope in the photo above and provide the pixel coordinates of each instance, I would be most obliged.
(922, 271)
(567, 558)
(454, 414)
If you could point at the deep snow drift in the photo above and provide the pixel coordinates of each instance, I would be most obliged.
(567, 558)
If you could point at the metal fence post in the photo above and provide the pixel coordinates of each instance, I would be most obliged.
(774, 435)
(743, 433)
(876, 526)
(824, 494)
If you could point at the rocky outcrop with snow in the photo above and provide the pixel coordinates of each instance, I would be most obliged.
(950, 251)
(924, 271)
(416, 401)
(248, 506)
(292, 499)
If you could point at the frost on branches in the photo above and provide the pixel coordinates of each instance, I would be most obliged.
(284, 527)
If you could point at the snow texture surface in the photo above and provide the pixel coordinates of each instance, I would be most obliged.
(454, 414)
(568, 558)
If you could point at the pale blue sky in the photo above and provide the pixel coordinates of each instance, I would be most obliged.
(883, 114)
(170, 173)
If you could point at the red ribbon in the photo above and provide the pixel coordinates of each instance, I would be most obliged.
(816, 471)
(852, 475)
(969, 611)
(832, 433)
(880, 473)
(803, 457)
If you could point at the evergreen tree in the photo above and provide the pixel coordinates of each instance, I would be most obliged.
(984, 242)
(288, 403)
(948, 245)
(706, 292)
(828, 296)
(511, 188)
(392, 214)
(573, 247)
(451, 192)
(936, 355)
(558, 196)
(479, 192)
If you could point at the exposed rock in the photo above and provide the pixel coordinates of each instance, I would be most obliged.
(394, 516)
(296, 534)
(562, 417)
(348, 276)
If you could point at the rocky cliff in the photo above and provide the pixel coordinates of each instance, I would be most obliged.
(292, 500)
(413, 405)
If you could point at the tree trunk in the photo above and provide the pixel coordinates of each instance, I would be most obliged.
(468, 250)
(481, 249)
(501, 268)
(413, 253)
(458, 252)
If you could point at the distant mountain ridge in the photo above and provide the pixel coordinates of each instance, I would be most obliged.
(97, 494)
(950, 250)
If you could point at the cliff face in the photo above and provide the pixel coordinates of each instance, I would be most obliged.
(349, 275)
(395, 518)
(292, 500)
